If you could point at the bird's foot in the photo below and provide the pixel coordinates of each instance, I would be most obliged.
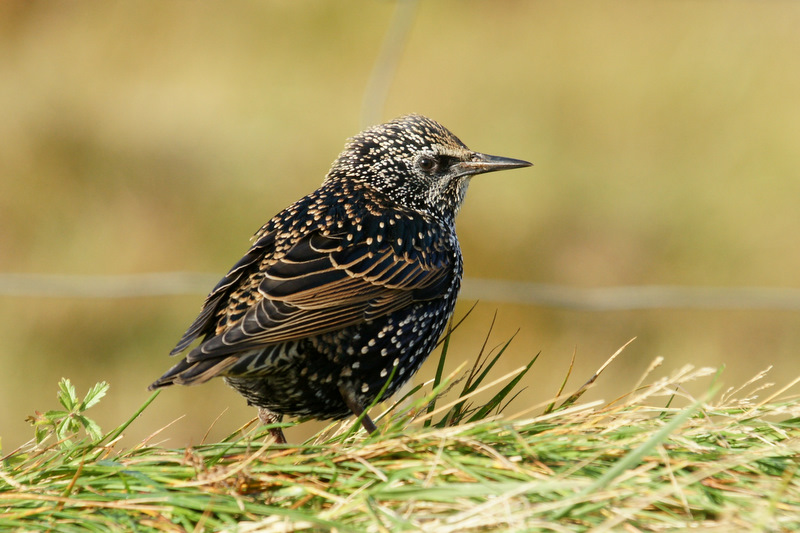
(352, 403)
(268, 417)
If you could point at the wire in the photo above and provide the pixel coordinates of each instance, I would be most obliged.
(108, 286)
(632, 297)
(382, 75)
(622, 298)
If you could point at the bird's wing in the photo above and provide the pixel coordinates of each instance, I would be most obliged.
(321, 284)
(208, 314)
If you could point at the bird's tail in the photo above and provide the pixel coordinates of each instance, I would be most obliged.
(185, 373)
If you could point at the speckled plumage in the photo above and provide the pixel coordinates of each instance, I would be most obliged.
(355, 279)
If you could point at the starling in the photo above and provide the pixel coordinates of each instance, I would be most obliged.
(348, 284)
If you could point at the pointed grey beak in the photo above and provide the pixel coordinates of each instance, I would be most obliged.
(482, 163)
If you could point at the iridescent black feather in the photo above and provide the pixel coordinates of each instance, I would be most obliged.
(355, 279)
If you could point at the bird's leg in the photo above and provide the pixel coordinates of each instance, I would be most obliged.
(268, 417)
(352, 403)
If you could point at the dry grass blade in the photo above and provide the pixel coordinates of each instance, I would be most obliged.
(577, 394)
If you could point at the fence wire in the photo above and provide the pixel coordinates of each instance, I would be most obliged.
(623, 298)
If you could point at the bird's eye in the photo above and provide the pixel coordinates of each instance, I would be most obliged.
(426, 163)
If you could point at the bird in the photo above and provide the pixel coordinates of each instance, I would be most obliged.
(348, 286)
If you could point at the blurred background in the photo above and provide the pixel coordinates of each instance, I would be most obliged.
(157, 136)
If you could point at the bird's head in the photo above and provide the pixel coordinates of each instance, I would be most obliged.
(416, 163)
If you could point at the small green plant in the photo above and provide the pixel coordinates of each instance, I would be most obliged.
(66, 424)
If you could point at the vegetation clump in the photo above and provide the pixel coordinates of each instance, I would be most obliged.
(725, 461)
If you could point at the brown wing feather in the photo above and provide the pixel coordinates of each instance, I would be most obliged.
(205, 320)
(320, 285)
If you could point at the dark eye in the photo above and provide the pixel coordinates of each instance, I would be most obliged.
(426, 163)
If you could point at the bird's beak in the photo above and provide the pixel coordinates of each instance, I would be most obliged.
(482, 163)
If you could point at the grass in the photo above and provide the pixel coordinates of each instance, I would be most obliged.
(724, 461)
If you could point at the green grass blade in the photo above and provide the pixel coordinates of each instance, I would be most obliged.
(498, 398)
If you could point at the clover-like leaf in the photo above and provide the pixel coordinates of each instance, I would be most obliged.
(91, 427)
(67, 396)
(94, 395)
